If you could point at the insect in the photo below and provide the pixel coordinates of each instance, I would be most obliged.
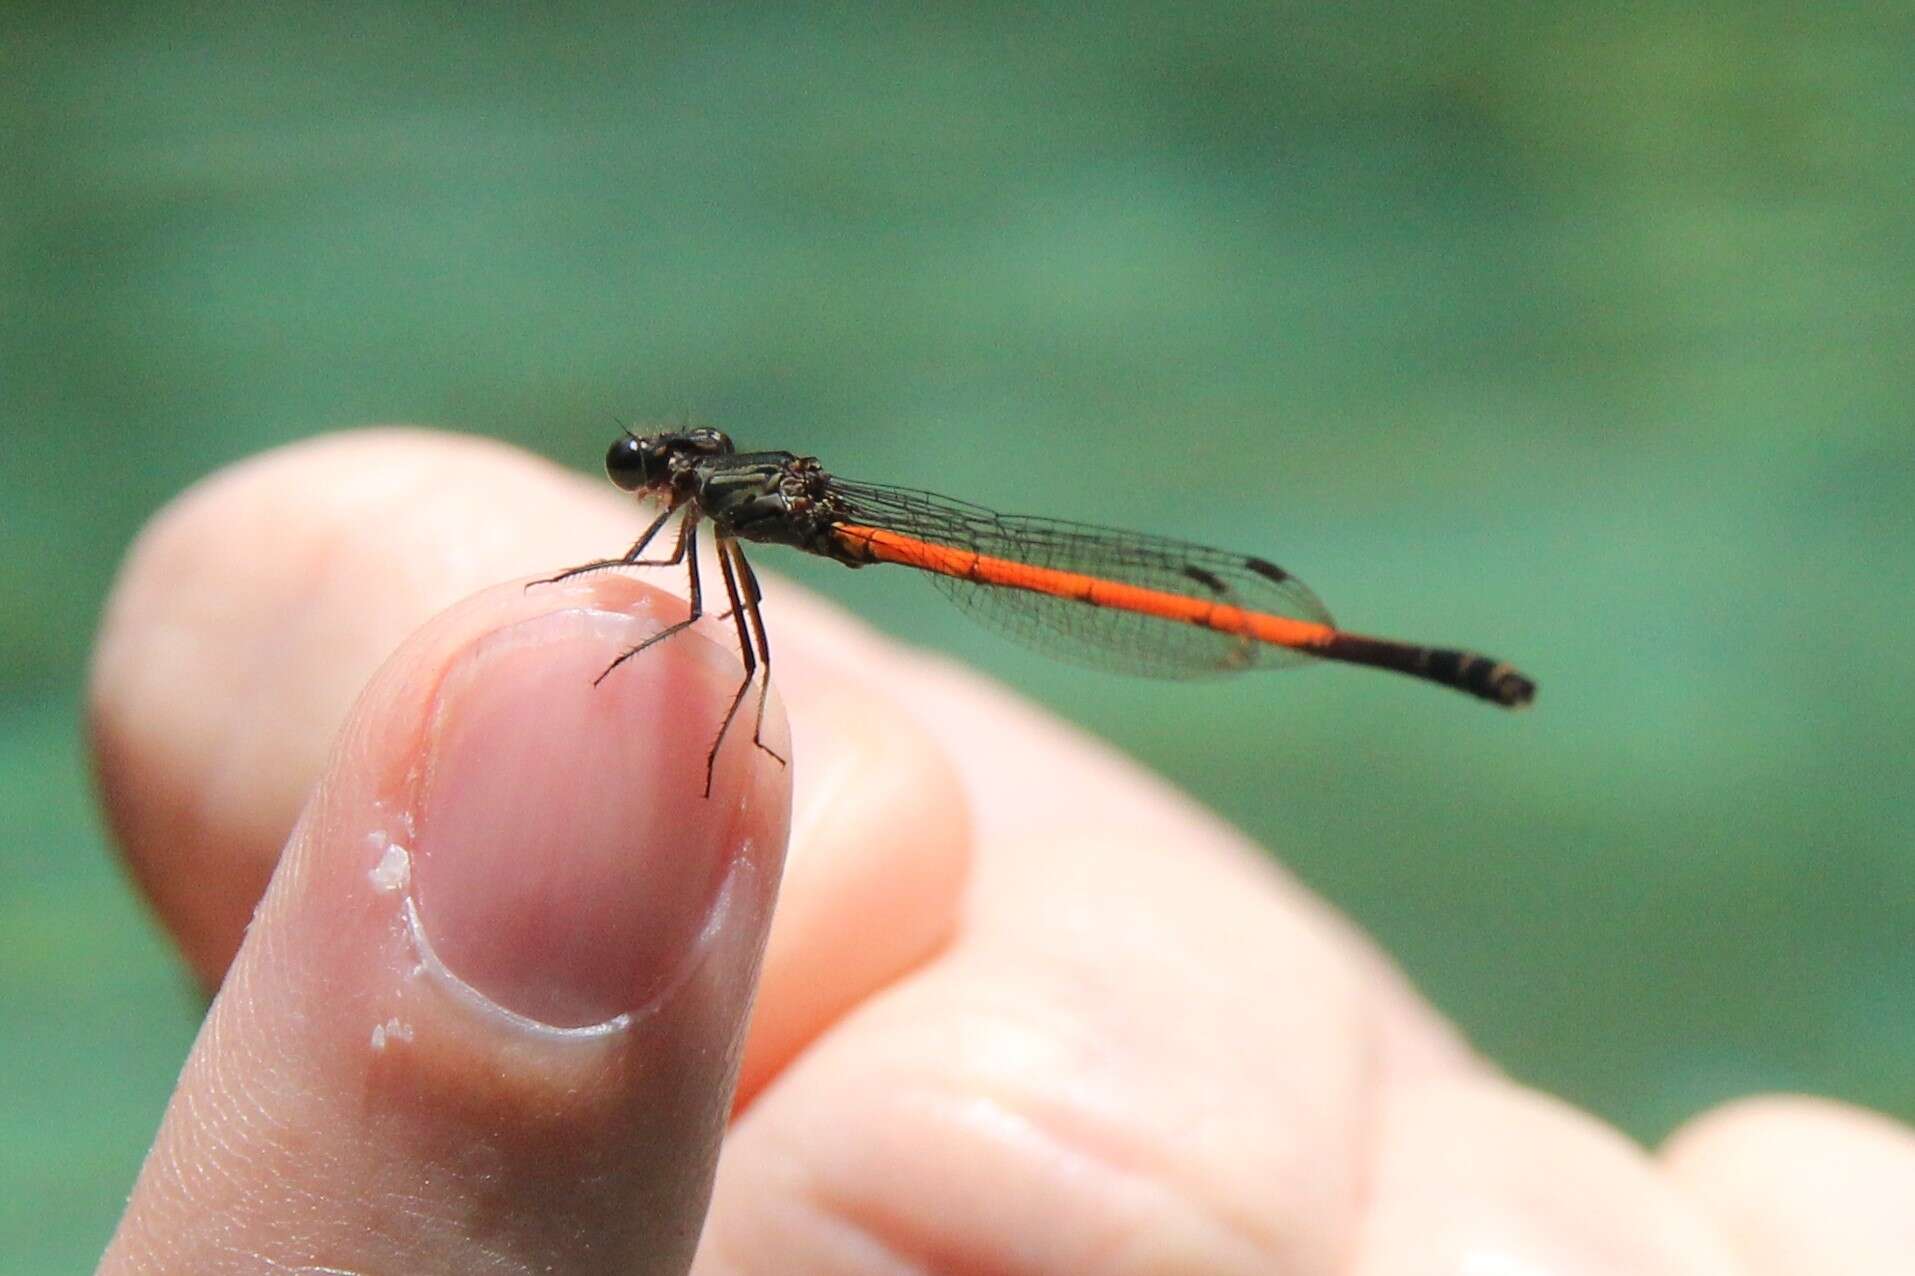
(1113, 599)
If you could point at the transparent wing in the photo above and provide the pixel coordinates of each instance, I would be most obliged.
(1101, 637)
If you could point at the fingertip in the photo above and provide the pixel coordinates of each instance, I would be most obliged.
(506, 963)
(575, 828)
(1799, 1183)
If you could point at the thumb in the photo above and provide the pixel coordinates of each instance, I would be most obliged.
(489, 1013)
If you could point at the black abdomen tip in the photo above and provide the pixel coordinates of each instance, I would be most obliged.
(1486, 679)
(1509, 688)
(1475, 675)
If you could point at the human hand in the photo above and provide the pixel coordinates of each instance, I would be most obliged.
(1022, 1009)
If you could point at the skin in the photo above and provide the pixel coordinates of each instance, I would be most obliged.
(1001, 1026)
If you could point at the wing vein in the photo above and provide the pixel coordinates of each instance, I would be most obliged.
(1072, 626)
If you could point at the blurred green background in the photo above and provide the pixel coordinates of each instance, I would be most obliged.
(1581, 336)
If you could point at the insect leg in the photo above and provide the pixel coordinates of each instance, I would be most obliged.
(752, 597)
(688, 543)
(745, 651)
(631, 557)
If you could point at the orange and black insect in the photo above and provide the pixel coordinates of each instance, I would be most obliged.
(1095, 595)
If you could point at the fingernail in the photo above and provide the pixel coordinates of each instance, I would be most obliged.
(567, 863)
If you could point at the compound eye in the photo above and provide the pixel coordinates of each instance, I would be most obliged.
(625, 463)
